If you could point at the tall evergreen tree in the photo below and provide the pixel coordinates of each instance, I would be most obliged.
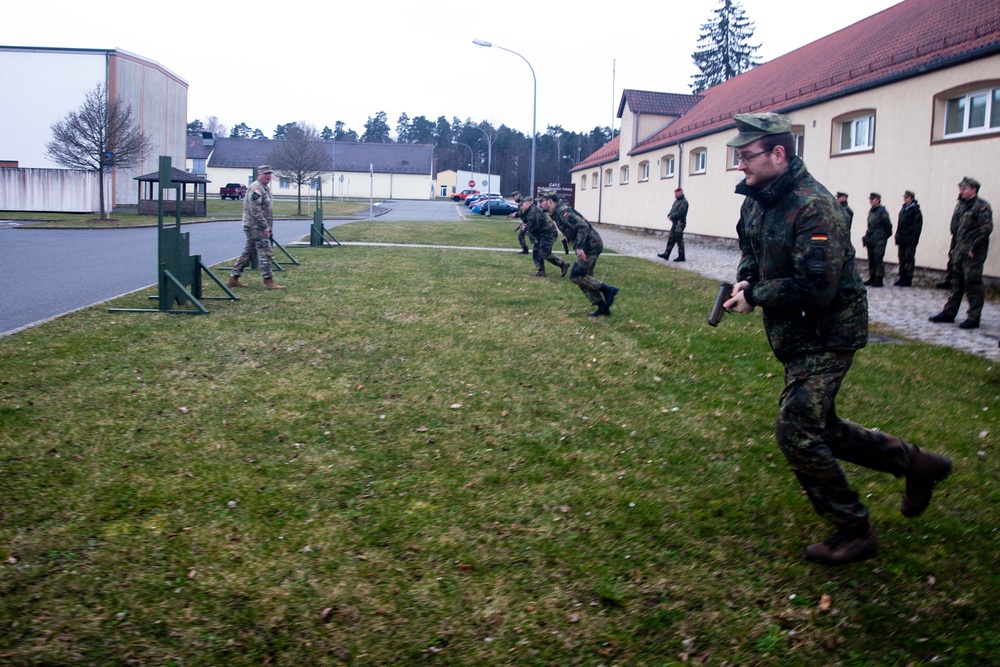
(403, 128)
(377, 130)
(724, 48)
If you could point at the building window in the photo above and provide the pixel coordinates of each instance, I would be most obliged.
(624, 175)
(284, 183)
(583, 182)
(608, 178)
(857, 133)
(800, 141)
(667, 166)
(643, 172)
(699, 161)
(977, 112)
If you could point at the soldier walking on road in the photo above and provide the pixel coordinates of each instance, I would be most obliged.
(972, 223)
(588, 246)
(678, 217)
(876, 238)
(798, 265)
(258, 220)
(908, 227)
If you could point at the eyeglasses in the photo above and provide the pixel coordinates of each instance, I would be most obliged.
(745, 158)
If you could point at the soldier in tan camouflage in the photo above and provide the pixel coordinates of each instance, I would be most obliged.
(258, 220)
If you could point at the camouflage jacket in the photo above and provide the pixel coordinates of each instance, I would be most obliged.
(909, 224)
(879, 225)
(973, 220)
(539, 224)
(849, 212)
(257, 207)
(799, 261)
(679, 212)
(576, 229)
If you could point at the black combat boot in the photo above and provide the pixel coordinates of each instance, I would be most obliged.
(942, 317)
(564, 268)
(609, 292)
(926, 469)
(845, 546)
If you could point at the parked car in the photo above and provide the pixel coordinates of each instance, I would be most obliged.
(474, 199)
(233, 191)
(497, 207)
(459, 196)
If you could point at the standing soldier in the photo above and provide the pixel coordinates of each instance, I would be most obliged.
(908, 227)
(588, 246)
(875, 239)
(798, 265)
(543, 234)
(522, 228)
(678, 217)
(257, 226)
(842, 198)
(973, 222)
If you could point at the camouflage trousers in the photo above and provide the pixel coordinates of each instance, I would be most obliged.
(582, 275)
(812, 437)
(876, 255)
(676, 238)
(967, 280)
(521, 231)
(907, 260)
(259, 245)
(541, 252)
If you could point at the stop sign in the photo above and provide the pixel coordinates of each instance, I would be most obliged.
(472, 184)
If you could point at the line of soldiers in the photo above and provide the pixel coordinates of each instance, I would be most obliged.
(542, 222)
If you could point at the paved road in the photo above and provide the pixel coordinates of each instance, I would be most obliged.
(50, 272)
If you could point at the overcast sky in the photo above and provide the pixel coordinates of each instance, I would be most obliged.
(266, 63)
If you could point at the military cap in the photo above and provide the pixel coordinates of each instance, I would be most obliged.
(264, 169)
(547, 194)
(875, 195)
(515, 194)
(842, 194)
(754, 126)
(524, 198)
(909, 193)
(971, 182)
(676, 190)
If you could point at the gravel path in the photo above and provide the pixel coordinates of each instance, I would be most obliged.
(905, 309)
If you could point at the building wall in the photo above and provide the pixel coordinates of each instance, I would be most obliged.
(904, 158)
(355, 184)
(62, 190)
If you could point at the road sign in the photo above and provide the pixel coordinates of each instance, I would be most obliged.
(472, 184)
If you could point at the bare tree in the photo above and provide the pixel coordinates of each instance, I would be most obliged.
(300, 156)
(101, 134)
(213, 125)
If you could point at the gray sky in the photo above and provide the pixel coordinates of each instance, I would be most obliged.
(265, 63)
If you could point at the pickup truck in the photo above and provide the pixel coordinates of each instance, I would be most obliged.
(459, 196)
(233, 191)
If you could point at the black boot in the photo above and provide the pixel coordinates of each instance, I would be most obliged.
(609, 292)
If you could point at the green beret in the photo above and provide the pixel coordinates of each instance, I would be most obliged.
(971, 182)
(754, 126)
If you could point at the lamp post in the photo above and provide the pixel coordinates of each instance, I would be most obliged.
(489, 167)
(471, 157)
(534, 106)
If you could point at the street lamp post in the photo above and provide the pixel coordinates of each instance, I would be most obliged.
(472, 157)
(489, 167)
(534, 105)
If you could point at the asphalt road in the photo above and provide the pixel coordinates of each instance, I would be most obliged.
(51, 272)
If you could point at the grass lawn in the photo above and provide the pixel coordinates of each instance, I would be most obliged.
(427, 456)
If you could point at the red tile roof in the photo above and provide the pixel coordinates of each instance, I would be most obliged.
(606, 153)
(661, 104)
(904, 40)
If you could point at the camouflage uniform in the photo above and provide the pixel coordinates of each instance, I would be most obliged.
(543, 232)
(578, 231)
(799, 261)
(522, 228)
(973, 224)
(677, 216)
(875, 239)
(849, 212)
(257, 222)
(908, 228)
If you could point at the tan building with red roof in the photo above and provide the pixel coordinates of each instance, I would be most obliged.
(907, 99)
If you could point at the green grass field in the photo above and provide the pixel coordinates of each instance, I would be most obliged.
(425, 456)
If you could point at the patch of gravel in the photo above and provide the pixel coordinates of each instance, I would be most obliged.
(904, 309)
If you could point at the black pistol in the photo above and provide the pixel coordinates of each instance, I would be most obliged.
(565, 247)
(725, 294)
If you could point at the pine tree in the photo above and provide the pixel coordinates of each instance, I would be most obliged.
(723, 47)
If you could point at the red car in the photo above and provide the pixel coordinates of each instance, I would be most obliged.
(459, 196)
(233, 191)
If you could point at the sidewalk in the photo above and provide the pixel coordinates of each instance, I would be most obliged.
(904, 309)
